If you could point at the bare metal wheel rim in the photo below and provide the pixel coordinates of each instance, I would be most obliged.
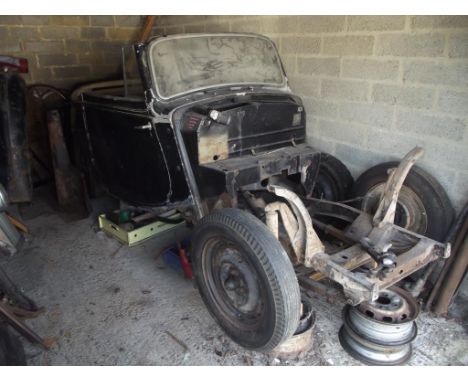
(232, 283)
(410, 211)
(390, 320)
(370, 353)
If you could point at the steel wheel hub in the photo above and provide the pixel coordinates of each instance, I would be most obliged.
(380, 332)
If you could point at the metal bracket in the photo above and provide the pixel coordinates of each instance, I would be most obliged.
(313, 245)
(388, 200)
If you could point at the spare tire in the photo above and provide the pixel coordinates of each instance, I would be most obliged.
(423, 205)
(245, 279)
(334, 181)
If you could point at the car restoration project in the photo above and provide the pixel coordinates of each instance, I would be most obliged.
(207, 125)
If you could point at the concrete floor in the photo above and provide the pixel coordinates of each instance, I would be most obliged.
(112, 305)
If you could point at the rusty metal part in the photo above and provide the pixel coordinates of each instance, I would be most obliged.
(10, 317)
(357, 286)
(67, 179)
(17, 223)
(388, 202)
(333, 231)
(457, 233)
(302, 340)
(313, 245)
(452, 280)
(293, 229)
(380, 332)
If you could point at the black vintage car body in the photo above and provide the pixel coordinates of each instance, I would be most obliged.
(207, 124)
(164, 150)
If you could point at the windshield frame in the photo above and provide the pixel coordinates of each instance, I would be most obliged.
(283, 86)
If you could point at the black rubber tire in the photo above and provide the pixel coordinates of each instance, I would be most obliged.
(334, 181)
(438, 209)
(273, 271)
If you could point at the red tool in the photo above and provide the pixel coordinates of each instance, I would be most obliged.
(185, 263)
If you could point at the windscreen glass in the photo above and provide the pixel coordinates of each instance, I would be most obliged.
(184, 64)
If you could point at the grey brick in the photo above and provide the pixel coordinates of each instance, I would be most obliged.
(319, 24)
(11, 20)
(300, 45)
(94, 33)
(24, 33)
(122, 34)
(77, 46)
(421, 45)
(426, 124)
(304, 86)
(436, 73)
(432, 22)
(458, 45)
(105, 70)
(180, 29)
(56, 59)
(92, 58)
(44, 46)
(215, 27)
(34, 20)
(289, 63)
(344, 89)
(247, 26)
(183, 19)
(60, 32)
(283, 24)
(320, 108)
(392, 144)
(129, 21)
(375, 23)
(348, 45)
(321, 143)
(4, 34)
(442, 154)
(41, 74)
(159, 31)
(370, 69)
(375, 115)
(358, 156)
(69, 20)
(102, 21)
(454, 102)
(71, 72)
(342, 132)
(106, 46)
(6, 47)
(197, 28)
(319, 66)
(265, 24)
(403, 95)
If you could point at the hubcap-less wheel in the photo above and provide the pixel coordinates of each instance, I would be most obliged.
(423, 205)
(233, 284)
(410, 212)
(246, 279)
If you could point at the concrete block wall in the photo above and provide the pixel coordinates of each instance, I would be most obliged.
(68, 50)
(373, 86)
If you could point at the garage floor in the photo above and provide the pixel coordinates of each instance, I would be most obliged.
(111, 305)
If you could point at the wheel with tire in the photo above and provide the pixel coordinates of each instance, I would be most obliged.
(334, 181)
(246, 279)
(423, 205)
